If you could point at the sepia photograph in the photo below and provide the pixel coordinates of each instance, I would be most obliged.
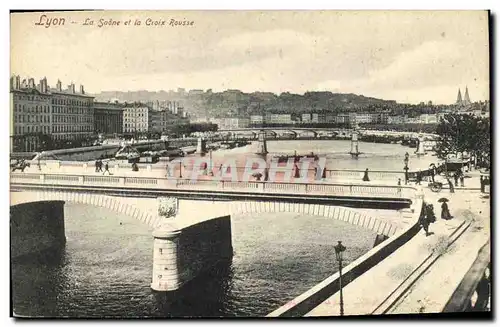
(250, 164)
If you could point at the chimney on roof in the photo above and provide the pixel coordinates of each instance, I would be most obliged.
(31, 83)
(71, 88)
(59, 86)
(82, 90)
(43, 85)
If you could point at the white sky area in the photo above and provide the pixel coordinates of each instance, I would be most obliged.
(400, 55)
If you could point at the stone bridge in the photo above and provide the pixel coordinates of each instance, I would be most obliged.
(198, 234)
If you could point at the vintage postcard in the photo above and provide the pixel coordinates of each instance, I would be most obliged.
(250, 164)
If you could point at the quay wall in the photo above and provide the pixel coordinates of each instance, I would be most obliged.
(310, 299)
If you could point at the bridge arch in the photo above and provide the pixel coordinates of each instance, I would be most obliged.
(346, 214)
(307, 133)
(113, 203)
(271, 133)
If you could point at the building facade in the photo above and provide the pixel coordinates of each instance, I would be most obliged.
(164, 120)
(395, 120)
(108, 117)
(72, 114)
(30, 117)
(43, 115)
(285, 119)
(429, 119)
(231, 122)
(136, 118)
(256, 119)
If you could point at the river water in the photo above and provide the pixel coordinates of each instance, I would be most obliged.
(105, 268)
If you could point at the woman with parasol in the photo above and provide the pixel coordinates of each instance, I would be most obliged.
(445, 211)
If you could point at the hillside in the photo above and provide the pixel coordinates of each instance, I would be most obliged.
(215, 104)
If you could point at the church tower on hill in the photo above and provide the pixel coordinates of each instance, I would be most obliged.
(465, 102)
(466, 97)
(459, 97)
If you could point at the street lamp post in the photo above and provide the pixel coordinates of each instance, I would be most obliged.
(180, 168)
(407, 159)
(210, 167)
(455, 122)
(339, 249)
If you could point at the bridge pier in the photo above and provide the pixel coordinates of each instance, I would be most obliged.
(36, 227)
(201, 147)
(261, 143)
(354, 145)
(420, 146)
(183, 253)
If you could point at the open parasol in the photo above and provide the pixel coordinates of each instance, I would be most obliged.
(443, 200)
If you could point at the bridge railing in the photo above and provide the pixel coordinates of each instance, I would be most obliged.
(364, 189)
(344, 174)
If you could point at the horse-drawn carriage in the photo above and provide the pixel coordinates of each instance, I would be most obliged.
(438, 183)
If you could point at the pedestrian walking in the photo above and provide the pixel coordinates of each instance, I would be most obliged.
(432, 172)
(106, 169)
(431, 217)
(167, 167)
(399, 181)
(38, 162)
(481, 180)
(296, 171)
(97, 166)
(462, 177)
(452, 188)
(365, 176)
(455, 177)
(424, 222)
(419, 177)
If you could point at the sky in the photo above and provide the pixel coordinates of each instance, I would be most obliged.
(407, 56)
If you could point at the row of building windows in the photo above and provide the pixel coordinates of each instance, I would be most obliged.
(72, 119)
(137, 125)
(31, 129)
(72, 102)
(47, 130)
(71, 110)
(31, 119)
(71, 128)
(31, 97)
(28, 108)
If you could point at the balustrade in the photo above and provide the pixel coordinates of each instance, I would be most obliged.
(359, 189)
